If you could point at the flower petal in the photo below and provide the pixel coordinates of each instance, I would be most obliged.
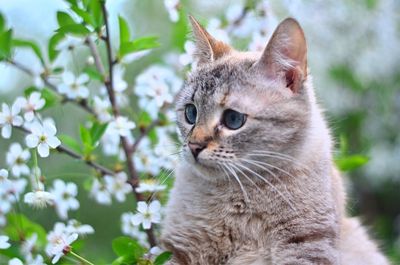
(32, 140)
(43, 150)
(6, 131)
(53, 141)
(142, 207)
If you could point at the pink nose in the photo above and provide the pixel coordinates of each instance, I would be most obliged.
(196, 148)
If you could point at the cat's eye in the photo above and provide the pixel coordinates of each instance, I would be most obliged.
(190, 113)
(233, 120)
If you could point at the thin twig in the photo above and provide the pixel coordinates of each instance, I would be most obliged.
(128, 150)
(96, 55)
(62, 149)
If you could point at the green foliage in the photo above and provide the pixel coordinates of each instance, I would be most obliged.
(2, 23)
(19, 227)
(64, 19)
(163, 258)
(90, 137)
(74, 29)
(29, 44)
(70, 143)
(128, 251)
(345, 76)
(346, 162)
(126, 46)
(52, 50)
(5, 44)
(93, 73)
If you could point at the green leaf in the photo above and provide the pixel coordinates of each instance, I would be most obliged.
(72, 2)
(88, 145)
(50, 97)
(124, 260)
(124, 35)
(93, 73)
(97, 131)
(162, 258)
(70, 143)
(86, 16)
(64, 19)
(5, 44)
(19, 226)
(351, 162)
(30, 90)
(97, 15)
(85, 135)
(29, 44)
(180, 30)
(52, 46)
(2, 23)
(126, 246)
(75, 29)
(140, 44)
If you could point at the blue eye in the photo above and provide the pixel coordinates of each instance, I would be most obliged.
(190, 113)
(233, 120)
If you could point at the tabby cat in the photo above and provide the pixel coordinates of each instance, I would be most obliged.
(257, 184)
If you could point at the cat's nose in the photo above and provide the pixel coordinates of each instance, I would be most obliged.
(196, 148)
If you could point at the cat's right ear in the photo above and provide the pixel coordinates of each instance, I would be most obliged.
(208, 49)
(285, 56)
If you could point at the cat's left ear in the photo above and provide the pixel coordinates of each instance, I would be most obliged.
(208, 49)
(286, 55)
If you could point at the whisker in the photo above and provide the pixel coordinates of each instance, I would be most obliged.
(269, 165)
(270, 184)
(238, 180)
(247, 177)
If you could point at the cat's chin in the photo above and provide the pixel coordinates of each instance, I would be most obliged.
(205, 169)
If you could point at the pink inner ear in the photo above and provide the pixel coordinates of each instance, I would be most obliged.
(293, 81)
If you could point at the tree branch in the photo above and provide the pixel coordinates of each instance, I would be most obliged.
(69, 152)
(128, 150)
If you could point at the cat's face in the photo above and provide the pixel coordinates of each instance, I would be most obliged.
(235, 117)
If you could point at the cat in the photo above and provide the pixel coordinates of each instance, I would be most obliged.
(257, 183)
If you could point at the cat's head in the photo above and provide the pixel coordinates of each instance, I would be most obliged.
(240, 107)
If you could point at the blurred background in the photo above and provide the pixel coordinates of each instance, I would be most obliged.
(354, 58)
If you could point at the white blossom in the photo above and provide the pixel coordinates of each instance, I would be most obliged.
(17, 158)
(59, 242)
(75, 226)
(43, 137)
(155, 87)
(15, 261)
(100, 193)
(9, 117)
(121, 126)
(39, 198)
(150, 185)
(4, 242)
(28, 245)
(64, 197)
(147, 214)
(3, 175)
(172, 8)
(74, 87)
(101, 108)
(118, 185)
(128, 228)
(31, 104)
(188, 57)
